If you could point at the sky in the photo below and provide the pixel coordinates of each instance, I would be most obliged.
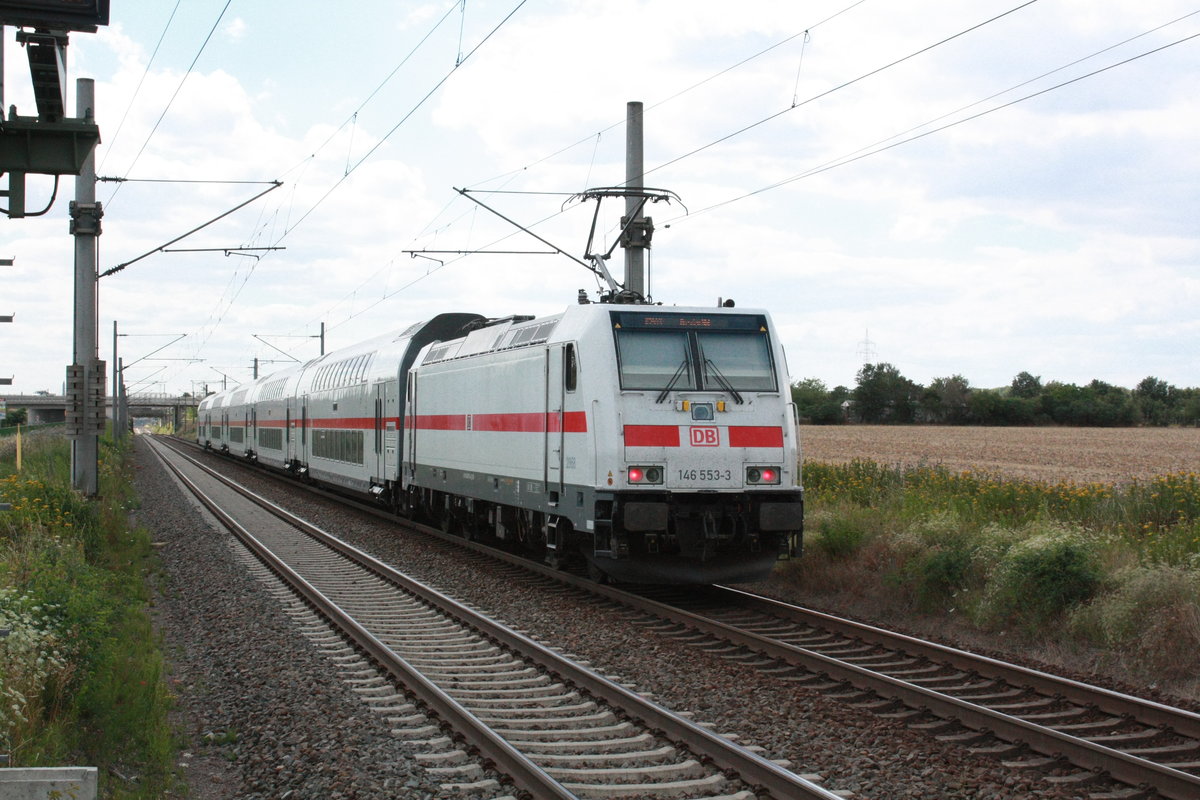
(976, 188)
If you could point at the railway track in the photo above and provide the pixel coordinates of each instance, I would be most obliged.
(555, 727)
(1040, 719)
(1088, 735)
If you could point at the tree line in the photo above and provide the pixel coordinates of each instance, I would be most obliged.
(883, 395)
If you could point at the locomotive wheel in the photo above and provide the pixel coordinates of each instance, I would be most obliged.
(597, 574)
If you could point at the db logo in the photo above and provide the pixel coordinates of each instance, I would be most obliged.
(705, 437)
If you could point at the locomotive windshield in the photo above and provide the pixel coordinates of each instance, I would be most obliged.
(725, 352)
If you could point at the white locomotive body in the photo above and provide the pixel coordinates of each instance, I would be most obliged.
(657, 443)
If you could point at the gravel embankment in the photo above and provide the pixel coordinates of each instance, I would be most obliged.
(261, 711)
(298, 729)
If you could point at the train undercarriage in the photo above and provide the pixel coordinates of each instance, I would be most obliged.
(679, 539)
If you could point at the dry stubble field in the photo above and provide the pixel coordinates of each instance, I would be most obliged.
(1082, 455)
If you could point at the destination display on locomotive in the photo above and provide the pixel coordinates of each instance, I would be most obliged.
(728, 322)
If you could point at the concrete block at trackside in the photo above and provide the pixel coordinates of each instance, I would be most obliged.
(43, 783)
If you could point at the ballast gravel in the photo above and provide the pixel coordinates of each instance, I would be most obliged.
(266, 717)
(261, 712)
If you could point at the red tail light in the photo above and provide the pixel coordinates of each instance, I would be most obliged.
(759, 476)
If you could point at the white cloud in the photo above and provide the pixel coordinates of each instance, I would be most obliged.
(236, 29)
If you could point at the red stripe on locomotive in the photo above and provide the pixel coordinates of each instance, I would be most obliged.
(756, 436)
(737, 436)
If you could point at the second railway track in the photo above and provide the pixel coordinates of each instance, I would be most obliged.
(1152, 748)
(557, 728)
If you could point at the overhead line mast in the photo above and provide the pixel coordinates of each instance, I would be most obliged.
(636, 229)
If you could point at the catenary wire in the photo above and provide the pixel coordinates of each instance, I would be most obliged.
(669, 98)
(249, 272)
(514, 173)
(170, 102)
(1013, 88)
(374, 148)
(374, 91)
(871, 150)
(137, 90)
(795, 177)
(837, 88)
(858, 156)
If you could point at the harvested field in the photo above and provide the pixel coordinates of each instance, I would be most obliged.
(1082, 455)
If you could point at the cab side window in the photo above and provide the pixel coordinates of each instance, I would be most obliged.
(570, 368)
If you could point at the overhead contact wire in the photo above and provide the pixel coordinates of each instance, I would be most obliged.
(837, 88)
(374, 92)
(851, 159)
(138, 89)
(288, 229)
(170, 102)
(404, 119)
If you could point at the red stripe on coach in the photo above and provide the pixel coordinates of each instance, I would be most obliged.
(438, 422)
(520, 423)
(341, 423)
(510, 422)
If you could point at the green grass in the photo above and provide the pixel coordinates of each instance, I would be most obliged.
(74, 575)
(1158, 518)
(1039, 559)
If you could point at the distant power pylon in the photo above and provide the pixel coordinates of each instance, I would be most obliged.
(866, 348)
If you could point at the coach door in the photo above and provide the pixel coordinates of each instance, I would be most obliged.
(554, 418)
(410, 429)
(391, 430)
(302, 450)
(384, 459)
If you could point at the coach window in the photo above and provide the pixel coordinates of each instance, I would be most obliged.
(570, 368)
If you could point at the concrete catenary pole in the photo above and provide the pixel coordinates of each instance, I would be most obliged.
(121, 400)
(118, 429)
(85, 376)
(635, 270)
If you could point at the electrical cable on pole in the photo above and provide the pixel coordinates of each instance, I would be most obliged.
(274, 185)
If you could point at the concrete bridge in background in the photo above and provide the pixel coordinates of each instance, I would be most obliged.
(49, 408)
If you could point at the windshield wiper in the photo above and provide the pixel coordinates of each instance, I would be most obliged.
(721, 379)
(674, 380)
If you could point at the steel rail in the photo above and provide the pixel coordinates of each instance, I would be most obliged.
(1148, 712)
(750, 767)
(526, 774)
(1130, 769)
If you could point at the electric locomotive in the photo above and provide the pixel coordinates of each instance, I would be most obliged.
(656, 443)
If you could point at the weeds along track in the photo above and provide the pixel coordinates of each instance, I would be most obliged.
(451, 680)
(1029, 719)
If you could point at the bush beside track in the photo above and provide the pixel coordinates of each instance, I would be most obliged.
(81, 673)
(1110, 573)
